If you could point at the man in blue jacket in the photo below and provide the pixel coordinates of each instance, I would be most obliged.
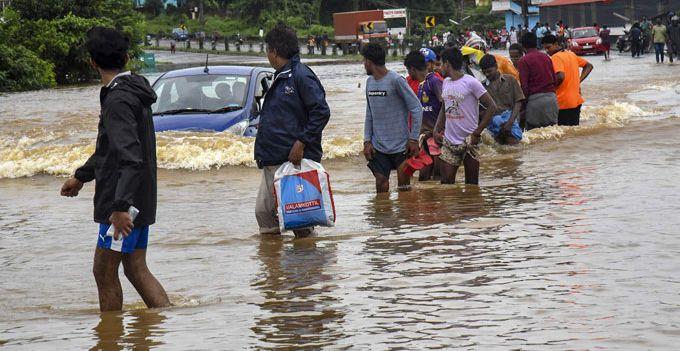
(292, 120)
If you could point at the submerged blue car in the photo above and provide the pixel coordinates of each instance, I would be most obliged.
(212, 98)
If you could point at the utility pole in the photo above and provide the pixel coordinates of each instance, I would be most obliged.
(525, 13)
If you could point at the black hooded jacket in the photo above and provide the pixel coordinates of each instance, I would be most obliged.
(124, 161)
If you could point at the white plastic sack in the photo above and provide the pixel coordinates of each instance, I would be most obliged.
(303, 196)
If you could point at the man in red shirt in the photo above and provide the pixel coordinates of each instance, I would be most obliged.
(537, 78)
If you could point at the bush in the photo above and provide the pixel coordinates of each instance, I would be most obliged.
(60, 42)
(317, 29)
(21, 69)
(53, 31)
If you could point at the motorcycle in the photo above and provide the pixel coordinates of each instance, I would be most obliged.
(623, 42)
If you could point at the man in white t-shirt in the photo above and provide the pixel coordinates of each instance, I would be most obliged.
(461, 95)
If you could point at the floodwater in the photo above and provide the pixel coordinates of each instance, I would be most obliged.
(571, 241)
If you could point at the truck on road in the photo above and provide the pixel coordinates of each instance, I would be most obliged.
(352, 29)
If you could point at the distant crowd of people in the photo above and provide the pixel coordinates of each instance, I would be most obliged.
(644, 34)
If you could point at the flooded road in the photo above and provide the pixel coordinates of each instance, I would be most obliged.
(570, 242)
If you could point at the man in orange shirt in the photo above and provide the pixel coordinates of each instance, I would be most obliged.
(569, 77)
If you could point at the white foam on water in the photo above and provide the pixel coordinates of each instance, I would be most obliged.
(47, 152)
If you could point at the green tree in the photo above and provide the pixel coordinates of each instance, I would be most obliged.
(20, 68)
(55, 31)
(52, 9)
(154, 7)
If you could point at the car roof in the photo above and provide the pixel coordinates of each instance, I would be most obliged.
(579, 28)
(194, 71)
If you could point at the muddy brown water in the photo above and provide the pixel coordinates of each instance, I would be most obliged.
(572, 240)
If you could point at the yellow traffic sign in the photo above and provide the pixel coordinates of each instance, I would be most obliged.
(182, 27)
(430, 22)
(369, 25)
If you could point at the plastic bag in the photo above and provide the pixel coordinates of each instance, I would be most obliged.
(303, 196)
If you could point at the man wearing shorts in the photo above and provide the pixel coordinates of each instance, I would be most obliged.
(388, 139)
(459, 119)
(124, 168)
(420, 64)
(570, 71)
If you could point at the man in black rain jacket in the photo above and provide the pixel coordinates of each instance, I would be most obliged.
(124, 168)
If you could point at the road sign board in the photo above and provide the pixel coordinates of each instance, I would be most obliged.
(430, 22)
(394, 13)
(369, 25)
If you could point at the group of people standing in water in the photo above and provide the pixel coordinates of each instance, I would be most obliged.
(432, 123)
(433, 120)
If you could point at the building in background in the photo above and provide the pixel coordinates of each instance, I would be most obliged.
(578, 13)
(512, 10)
(482, 2)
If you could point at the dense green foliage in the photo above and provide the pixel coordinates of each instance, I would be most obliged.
(42, 41)
(228, 17)
(21, 69)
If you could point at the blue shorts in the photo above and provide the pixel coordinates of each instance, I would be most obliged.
(138, 239)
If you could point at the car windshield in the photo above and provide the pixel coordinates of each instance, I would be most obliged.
(205, 92)
(584, 33)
